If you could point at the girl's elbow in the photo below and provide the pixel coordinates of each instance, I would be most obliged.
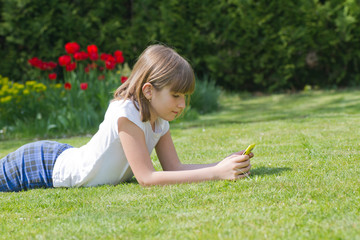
(145, 181)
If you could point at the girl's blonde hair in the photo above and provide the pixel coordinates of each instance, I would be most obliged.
(161, 66)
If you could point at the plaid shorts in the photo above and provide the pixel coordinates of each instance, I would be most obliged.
(30, 166)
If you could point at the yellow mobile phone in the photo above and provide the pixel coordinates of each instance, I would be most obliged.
(249, 149)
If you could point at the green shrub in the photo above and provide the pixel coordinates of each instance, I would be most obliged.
(205, 98)
(243, 45)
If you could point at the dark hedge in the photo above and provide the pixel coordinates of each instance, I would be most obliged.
(244, 45)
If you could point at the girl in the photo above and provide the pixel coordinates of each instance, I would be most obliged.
(136, 122)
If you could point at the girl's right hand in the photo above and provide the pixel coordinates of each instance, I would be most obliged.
(233, 167)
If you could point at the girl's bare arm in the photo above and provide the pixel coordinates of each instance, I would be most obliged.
(133, 141)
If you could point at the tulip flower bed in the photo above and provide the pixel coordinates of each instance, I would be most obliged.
(69, 95)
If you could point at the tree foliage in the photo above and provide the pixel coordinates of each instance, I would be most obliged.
(243, 44)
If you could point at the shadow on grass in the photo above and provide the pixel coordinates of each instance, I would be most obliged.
(269, 171)
(131, 181)
(257, 171)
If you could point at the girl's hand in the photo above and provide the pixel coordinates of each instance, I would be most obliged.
(234, 167)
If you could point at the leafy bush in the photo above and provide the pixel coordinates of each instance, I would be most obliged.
(247, 45)
(205, 98)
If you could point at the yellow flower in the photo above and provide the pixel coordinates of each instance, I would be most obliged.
(26, 92)
(39, 87)
(30, 83)
(18, 86)
(4, 80)
(13, 91)
(4, 88)
(5, 99)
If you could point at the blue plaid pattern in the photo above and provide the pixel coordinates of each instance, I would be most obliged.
(30, 166)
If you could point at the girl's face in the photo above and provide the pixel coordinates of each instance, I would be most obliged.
(166, 104)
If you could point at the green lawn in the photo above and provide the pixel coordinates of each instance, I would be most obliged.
(304, 184)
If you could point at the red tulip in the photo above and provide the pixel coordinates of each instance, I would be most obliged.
(71, 67)
(101, 77)
(93, 56)
(51, 65)
(110, 65)
(81, 56)
(123, 79)
(119, 57)
(35, 62)
(107, 57)
(104, 56)
(67, 86)
(64, 60)
(118, 53)
(72, 47)
(92, 49)
(110, 58)
(52, 76)
(83, 86)
(110, 62)
(42, 66)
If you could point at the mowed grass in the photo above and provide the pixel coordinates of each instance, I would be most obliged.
(304, 184)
